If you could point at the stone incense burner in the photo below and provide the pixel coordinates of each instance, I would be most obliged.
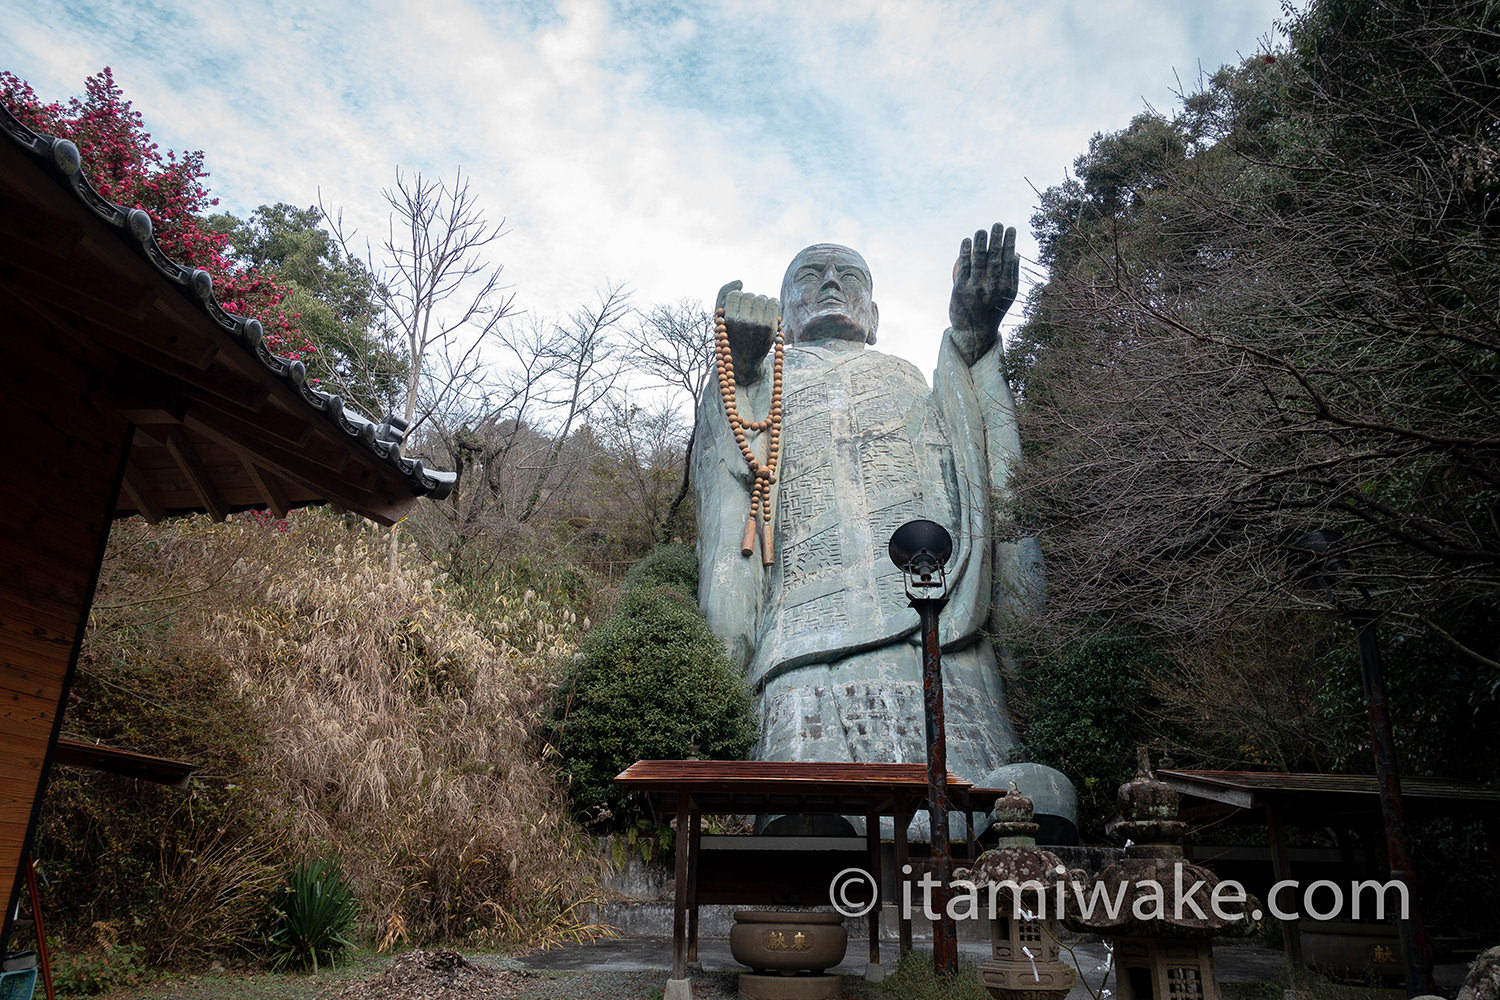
(788, 952)
(787, 942)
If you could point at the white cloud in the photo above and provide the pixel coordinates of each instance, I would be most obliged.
(670, 148)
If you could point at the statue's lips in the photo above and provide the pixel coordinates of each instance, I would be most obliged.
(833, 297)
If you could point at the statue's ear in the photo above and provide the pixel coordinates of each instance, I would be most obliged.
(874, 323)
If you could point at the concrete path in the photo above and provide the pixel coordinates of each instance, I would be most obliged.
(1236, 963)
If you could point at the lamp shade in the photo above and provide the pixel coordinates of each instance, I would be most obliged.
(1312, 562)
(921, 547)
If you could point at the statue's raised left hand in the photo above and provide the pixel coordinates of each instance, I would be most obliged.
(986, 279)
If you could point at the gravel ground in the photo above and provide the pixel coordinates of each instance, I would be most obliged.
(439, 975)
(446, 975)
(633, 969)
(648, 985)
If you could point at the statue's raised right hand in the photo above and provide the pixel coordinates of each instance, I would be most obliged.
(751, 323)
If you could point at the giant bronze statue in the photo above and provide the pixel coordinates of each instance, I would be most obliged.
(813, 451)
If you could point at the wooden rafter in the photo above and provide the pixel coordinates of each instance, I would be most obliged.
(267, 486)
(197, 476)
(141, 498)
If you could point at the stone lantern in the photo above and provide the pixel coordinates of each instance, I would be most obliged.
(1024, 963)
(1167, 909)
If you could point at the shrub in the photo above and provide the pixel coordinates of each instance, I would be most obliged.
(184, 873)
(313, 919)
(107, 966)
(405, 734)
(1086, 701)
(914, 978)
(653, 680)
(670, 564)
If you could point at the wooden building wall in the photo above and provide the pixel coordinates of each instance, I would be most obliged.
(64, 449)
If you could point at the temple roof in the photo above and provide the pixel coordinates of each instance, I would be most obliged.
(221, 423)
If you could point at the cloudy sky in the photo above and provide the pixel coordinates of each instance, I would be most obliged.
(671, 147)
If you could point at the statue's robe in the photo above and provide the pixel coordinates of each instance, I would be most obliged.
(825, 634)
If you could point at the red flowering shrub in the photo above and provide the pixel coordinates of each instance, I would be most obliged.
(126, 167)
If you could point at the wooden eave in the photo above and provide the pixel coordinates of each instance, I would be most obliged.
(1320, 798)
(222, 425)
(730, 787)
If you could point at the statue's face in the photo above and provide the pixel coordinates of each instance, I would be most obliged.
(826, 296)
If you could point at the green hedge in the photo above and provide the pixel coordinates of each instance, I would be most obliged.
(670, 564)
(653, 680)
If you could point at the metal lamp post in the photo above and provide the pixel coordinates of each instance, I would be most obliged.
(1325, 569)
(920, 549)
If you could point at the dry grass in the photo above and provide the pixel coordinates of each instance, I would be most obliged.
(403, 736)
(343, 711)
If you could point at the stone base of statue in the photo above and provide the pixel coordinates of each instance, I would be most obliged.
(807, 987)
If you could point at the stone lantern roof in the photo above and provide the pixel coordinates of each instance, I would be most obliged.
(1017, 858)
(1154, 868)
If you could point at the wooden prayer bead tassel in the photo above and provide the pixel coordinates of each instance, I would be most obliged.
(761, 476)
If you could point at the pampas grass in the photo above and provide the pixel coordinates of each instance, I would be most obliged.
(384, 723)
(404, 734)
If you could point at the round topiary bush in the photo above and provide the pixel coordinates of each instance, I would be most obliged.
(670, 564)
(653, 680)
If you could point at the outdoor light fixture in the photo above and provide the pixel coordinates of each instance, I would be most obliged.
(920, 549)
(1316, 558)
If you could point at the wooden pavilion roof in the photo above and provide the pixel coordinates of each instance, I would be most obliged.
(730, 787)
(1302, 795)
(128, 389)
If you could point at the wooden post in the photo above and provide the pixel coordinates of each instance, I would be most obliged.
(872, 854)
(680, 894)
(1492, 839)
(695, 841)
(1416, 949)
(969, 826)
(43, 961)
(1281, 862)
(903, 918)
